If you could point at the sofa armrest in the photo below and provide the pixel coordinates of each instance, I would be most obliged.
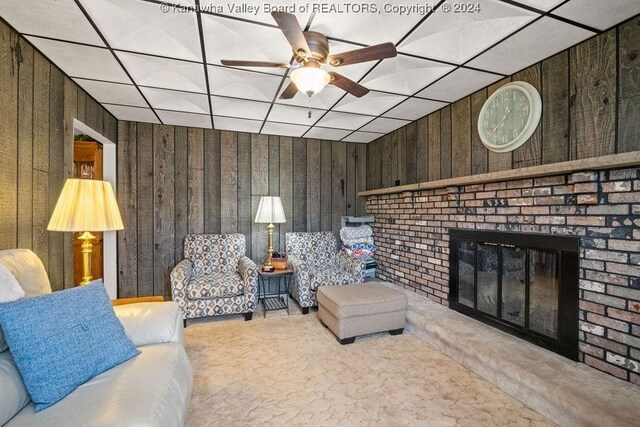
(180, 277)
(351, 264)
(248, 271)
(151, 322)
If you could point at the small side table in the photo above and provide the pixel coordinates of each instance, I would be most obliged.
(277, 302)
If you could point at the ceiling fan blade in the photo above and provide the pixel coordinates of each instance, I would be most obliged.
(371, 53)
(348, 85)
(233, 63)
(289, 92)
(288, 24)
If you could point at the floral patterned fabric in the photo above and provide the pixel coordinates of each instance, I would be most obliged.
(216, 277)
(315, 261)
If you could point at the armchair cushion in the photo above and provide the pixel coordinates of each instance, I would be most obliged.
(215, 285)
(332, 276)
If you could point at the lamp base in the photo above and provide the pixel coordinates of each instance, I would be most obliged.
(87, 250)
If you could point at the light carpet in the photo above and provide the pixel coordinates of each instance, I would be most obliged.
(289, 370)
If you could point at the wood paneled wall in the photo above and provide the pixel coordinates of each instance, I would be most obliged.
(37, 106)
(591, 107)
(173, 181)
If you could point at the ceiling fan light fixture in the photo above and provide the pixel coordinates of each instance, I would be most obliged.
(310, 80)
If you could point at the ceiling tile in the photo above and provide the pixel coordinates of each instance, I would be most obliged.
(544, 5)
(362, 137)
(42, 18)
(178, 118)
(598, 13)
(177, 101)
(326, 133)
(231, 39)
(343, 120)
(296, 115)
(373, 103)
(457, 37)
(165, 73)
(232, 107)
(113, 93)
(254, 11)
(404, 74)
(538, 41)
(458, 84)
(133, 114)
(414, 108)
(283, 129)
(240, 125)
(146, 28)
(364, 26)
(384, 125)
(82, 61)
(243, 84)
(323, 100)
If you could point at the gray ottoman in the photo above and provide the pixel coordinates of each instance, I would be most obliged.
(361, 309)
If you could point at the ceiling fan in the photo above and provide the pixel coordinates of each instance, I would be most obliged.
(311, 50)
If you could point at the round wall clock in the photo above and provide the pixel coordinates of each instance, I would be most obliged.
(509, 117)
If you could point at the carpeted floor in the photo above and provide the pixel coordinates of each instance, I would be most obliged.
(289, 370)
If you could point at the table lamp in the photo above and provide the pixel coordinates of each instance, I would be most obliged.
(269, 212)
(83, 205)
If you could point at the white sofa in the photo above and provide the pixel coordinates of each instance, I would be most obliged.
(152, 389)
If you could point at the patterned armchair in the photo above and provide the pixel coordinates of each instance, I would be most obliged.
(215, 278)
(316, 261)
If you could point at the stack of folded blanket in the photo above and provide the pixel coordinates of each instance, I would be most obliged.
(358, 241)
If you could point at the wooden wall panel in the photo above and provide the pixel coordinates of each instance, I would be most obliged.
(461, 138)
(325, 187)
(313, 185)
(593, 95)
(128, 203)
(392, 147)
(299, 185)
(56, 173)
(411, 152)
(182, 179)
(286, 187)
(211, 181)
(70, 107)
(555, 111)
(422, 150)
(388, 160)
(338, 185)
(274, 179)
(361, 178)
(228, 182)
(25, 147)
(445, 142)
(244, 188)
(81, 112)
(530, 154)
(401, 175)
(8, 136)
(629, 77)
(144, 146)
(163, 209)
(350, 178)
(479, 152)
(433, 143)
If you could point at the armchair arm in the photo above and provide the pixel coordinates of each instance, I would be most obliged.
(248, 271)
(301, 289)
(151, 322)
(352, 264)
(180, 277)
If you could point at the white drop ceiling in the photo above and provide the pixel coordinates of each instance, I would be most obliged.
(144, 63)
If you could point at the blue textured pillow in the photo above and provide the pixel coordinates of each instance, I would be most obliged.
(61, 340)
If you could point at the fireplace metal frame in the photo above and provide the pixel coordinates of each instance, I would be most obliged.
(567, 247)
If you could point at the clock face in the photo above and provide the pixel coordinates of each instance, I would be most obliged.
(509, 117)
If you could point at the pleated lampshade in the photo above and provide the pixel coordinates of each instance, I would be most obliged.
(270, 211)
(86, 205)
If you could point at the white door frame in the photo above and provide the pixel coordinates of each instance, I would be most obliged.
(110, 242)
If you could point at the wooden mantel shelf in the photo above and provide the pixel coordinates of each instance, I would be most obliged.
(611, 161)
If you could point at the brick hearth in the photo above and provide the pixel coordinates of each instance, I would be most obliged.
(603, 208)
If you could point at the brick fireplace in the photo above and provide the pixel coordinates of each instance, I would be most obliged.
(601, 208)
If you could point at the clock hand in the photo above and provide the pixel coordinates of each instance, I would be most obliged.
(500, 122)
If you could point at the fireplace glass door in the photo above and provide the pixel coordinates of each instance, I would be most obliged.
(523, 284)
